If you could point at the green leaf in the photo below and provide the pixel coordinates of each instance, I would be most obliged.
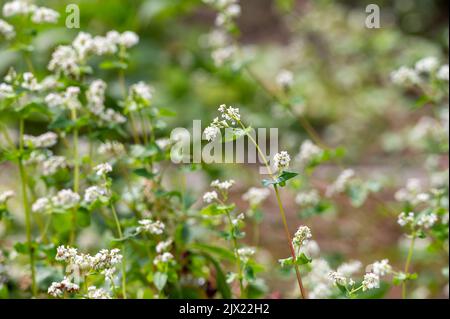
(142, 172)
(223, 253)
(83, 217)
(299, 260)
(163, 112)
(280, 180)
(111, 65)
(221, 279)
(160, 280)
(215, 210)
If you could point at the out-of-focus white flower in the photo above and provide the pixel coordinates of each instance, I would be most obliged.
(66, 199)
(308, 152)
(211, 133)
(44, 15)
(147, 225)
(45, 140)
(65, 60)
(405, 219)
(5, 196)
(52, 165)
(94, 193)
(427, 65)
(381, 268)
(405, 76)
(97, 293)
(7, 30)
(41, 205)
(141, 91)
(427, 220)
(6, 91)
(256, 196)
(371, 281)
(18, 7)
(245, 253)
(285, 79)
(209, 197)
(349, 268)
(163, 246)
(341, 183)
(310, 198)
(223, 186)
(442, 73)
(129, 39)
(337, 278)
(223, 55)
(164, 258)
(103, 169)
(281, 160)
(112, 148)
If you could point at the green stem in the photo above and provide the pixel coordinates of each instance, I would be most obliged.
(408, 263)
(27, 209)
(119, 232)
(76, 176)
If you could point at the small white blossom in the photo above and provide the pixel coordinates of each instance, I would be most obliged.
(337, 278)
(371, 281)
(308, 152)
(381, 268)
(45, 140)
(94, 193)
(163, 246)
(310, 198)
(256, 196)
(113, 148)
(5, 196)
(97, 293)
(245, 253)
(164, 258)
(57, 289)
(341, 183)
(103, 169)
(44, 15)
(427, 220)
(64, 60)
(405, 76)
(6, 30)
(41, 205)
(147, 225)
(6, 91)
(405, 219)
(285, 79)
(66, 199)
(301, 236)
(18, 7)
(223, 186)
(427, 65)
(349, 268)
(128, 39)
(52, 165)
(281, 160)
(442, 73)
(211, 133)
(209, 197)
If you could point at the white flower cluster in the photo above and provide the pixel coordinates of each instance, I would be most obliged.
(412, 193)
(317, 280)
(67, 99)
(381, 268)
(244, 253)
(39, 15)
(163, 246)
(371, 281)
(301, 237)
(95, 97)
(163, 258)
(94, 193)
(6, 30)
(67, 59)
(45, 140)
(64, 199)
(58, 289)
(210, 197)
(97, 293)
(424, 220)
(285, 79)
(229, 114)
(140, 96)
(222, 186)
(52, 165)
(281, 160)
(44, 15)
(103, 169)
(256, 196)
(341, 183)
(6, 91)
(308, 152)
(350, 268)
(152, 227)
(305, 199)
(427, 66)
(5, 196)
(111, 148)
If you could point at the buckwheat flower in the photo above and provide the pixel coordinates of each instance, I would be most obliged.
(337, 278)
(310, 248)
(405, 76)
(427, 65)
(83, 45)
(6, 30)
(64, 60)
(106, 259)
(233, 10)
(285, 79)
(141, 91)
(255, 196)
(238, 219)
(66, 198)
(6, 91)
(381, 268)
(109, 273)
(129, 39)
(223, 186)
(427, 220)
(349, 268)
(44, 15)
(18, 7)
(97, 293)
(163, 246)
(211, 133)
(163, 143)
(5, 196)
(341, 183)
(113, 148)
(223, 55)
(245, 253)
(371, 281)
(442, 73)
(209, 197)
(103, 169)
(93, 193)
(45, 140)
(41, 205)
(281, 160)
(66, 254)
(95, 96)
(111, 116)
(57, 289)
(30, 82)
(163, 258)
(310, 198)
(405, 219)
(103, 46)
(52, 165)
(301, 236)
(308, 152)
(147, 225)
(229, 113)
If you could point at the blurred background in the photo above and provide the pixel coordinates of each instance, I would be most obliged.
(341, 79)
